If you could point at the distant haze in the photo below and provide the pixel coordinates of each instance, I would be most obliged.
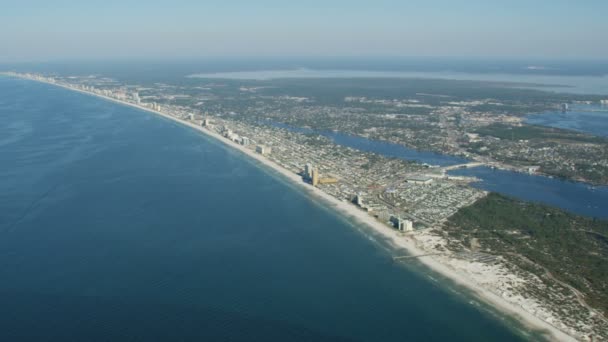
(49, 30)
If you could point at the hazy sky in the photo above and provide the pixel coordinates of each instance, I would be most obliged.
(59, 29)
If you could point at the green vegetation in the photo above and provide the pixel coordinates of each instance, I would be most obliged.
(331, 91)
(557, 246)
(512, 109)
(562, 153)
(425, 114)
(530, 132)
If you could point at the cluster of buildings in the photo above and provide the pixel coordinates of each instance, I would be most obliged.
(405, 195)
(570, 159)
(402, 224)
(400, 193)
(311, 175)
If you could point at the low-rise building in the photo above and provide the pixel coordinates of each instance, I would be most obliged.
(421, 180)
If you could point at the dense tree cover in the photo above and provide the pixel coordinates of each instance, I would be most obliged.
(529, 132)
(572, 249)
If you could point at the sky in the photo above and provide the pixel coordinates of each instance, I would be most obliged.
(43, 30)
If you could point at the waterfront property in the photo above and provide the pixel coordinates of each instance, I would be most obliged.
(382, 181)
(116, 233)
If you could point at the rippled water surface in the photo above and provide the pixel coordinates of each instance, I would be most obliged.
(119, 225)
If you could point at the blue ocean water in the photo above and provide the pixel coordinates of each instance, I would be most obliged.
(119, 225)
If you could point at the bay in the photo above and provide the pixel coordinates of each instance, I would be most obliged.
(576, 197)
(575, 84)
(592, 119)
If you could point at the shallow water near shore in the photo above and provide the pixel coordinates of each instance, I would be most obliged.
(116, 224)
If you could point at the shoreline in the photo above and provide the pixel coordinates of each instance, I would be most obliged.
(396, 240)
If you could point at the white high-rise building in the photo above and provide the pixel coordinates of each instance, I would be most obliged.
(402, 224)
(136, 98)
(308, 171)
(359, 200)
(408, 226)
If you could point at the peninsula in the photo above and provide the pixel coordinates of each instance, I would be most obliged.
(409, 204)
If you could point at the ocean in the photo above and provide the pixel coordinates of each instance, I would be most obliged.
(116, 224)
